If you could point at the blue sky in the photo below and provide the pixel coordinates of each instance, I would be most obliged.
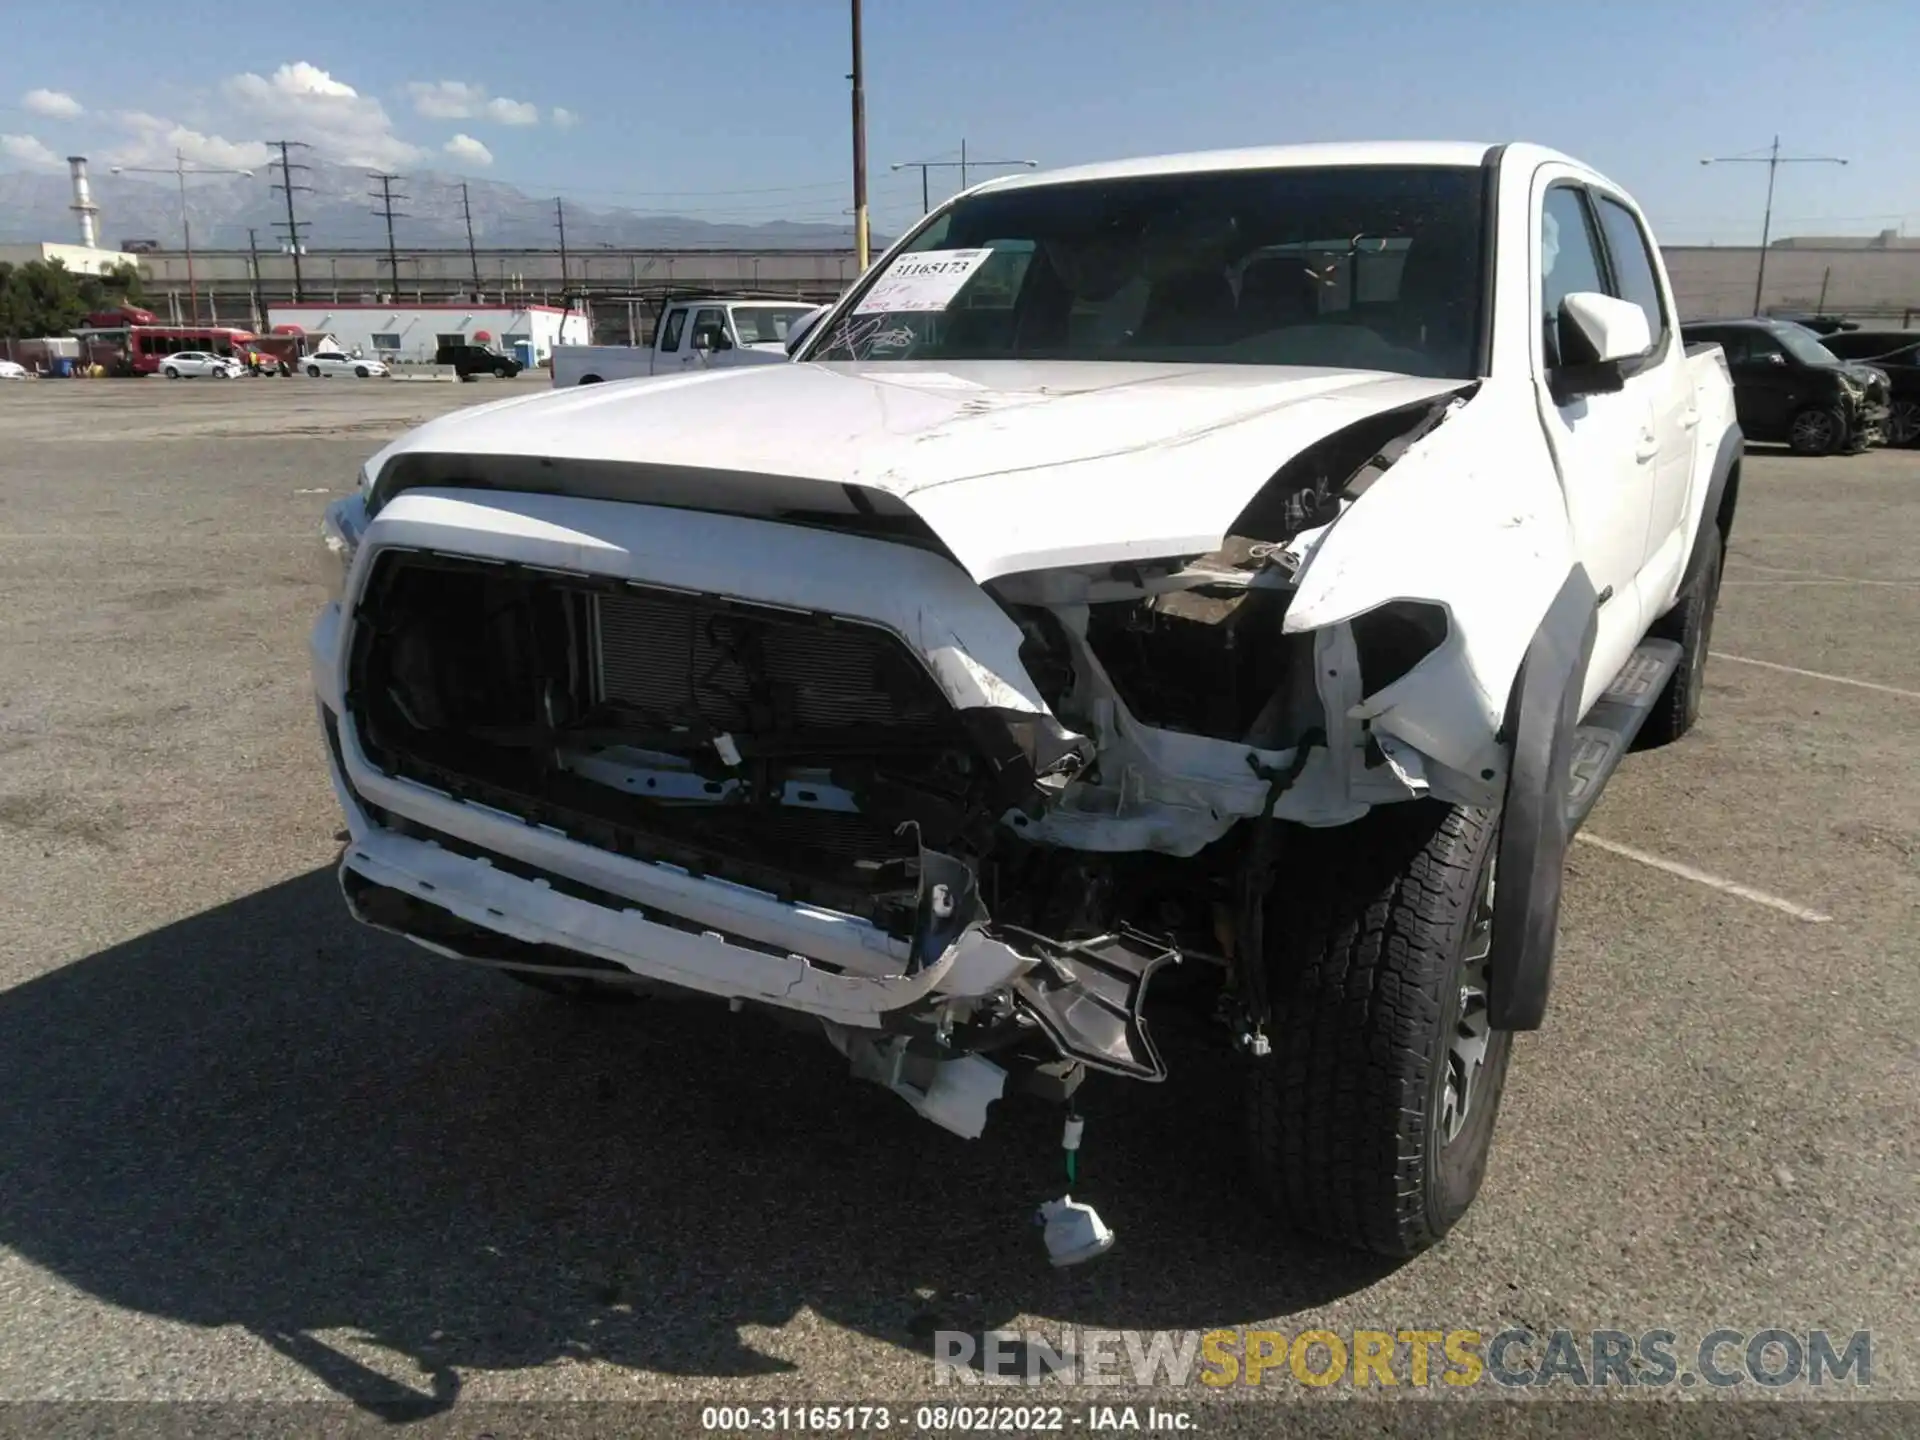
(738, 109)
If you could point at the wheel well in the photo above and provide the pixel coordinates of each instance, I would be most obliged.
(589, 379)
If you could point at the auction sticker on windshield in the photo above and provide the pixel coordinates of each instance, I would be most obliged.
(926, 280)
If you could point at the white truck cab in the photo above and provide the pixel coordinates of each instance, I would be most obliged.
(695, 334)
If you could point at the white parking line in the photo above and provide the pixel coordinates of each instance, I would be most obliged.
(1701, 877)
(1819, 675)
(1827, 575)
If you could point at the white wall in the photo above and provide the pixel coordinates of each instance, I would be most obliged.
(78, 259)
(419, 327)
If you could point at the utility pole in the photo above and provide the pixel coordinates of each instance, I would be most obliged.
(180, 170)
(858, 77)
(560, 220)
(386, 197)
(963, 164)
(253, 270)
(1773, 160)
(473, 257)
(285, 184)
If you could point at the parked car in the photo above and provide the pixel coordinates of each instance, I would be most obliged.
(1895, 354)
(13, 370)
(472, 361)
(1790, 388)
(1821, 324)
(336, 362)
(692, 335)
(189, 364)
(1116, 575)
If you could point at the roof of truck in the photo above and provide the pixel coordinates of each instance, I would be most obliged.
(1260, 157)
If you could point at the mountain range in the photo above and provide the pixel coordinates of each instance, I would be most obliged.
(338, 212)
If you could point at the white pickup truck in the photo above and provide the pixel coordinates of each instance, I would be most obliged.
(1235, 559)
(692, 335)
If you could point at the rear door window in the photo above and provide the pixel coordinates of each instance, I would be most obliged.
(670, 329)
(1633, 273)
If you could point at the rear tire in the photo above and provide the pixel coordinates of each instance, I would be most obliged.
(1903, 423)
(314, 371)
(1370, 1123)
(172, 374)
(1691, 623)
(1817, 430)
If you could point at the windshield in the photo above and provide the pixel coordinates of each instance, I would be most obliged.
(766, 324)
(1804, 346)
(1355, 267)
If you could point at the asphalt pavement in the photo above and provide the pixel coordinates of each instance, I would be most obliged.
(253, 1152)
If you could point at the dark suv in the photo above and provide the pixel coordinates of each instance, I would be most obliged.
(1787, 386)
(469, 361)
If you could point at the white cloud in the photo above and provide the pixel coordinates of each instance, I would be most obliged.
(564, 119)
(304, 102)
(513, 112)
(27, 150)
(156, 140)
(446, 99)
(463, 100)
(469, 150)
(54, 104)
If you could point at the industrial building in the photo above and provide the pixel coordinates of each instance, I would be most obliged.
(403, 332)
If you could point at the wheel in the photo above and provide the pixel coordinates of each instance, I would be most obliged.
(503, 372)
(589, 379)
(172, 373)
(1691, 623)
(1817, 430)
(572, 988)
(314, 371)
(223, 374)
(1903, 423)
(1370, 1122)
(360, 371)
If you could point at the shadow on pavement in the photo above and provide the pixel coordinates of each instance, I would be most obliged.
(263, 1116)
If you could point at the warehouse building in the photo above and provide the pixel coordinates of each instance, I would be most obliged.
(403, 333)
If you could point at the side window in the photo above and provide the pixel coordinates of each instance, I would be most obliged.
(670, 332)
(1632, 265)
(1737, 345)
(708, 326)
(1569, 260)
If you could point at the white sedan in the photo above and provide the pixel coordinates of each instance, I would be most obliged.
(333, 362)
(187, 363)
(13, 370)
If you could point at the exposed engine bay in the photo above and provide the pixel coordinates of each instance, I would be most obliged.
(1121, 820)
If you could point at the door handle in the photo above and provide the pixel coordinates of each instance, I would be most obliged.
(1690, 419)
(1648, 448)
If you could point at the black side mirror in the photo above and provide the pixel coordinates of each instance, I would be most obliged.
(721, 340)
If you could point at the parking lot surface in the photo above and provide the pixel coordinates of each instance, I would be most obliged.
(253, 1151)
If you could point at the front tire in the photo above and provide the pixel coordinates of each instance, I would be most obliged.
(1370, 1122)
(1817, 430)
(360, 372)
(1903, 423)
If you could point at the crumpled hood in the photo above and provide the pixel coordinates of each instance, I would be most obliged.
(1015, 466)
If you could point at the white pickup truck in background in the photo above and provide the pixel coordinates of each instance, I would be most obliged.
(692, 335)
(1235, 559)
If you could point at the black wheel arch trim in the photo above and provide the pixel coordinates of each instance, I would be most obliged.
(1723, 494)
(1534, 834)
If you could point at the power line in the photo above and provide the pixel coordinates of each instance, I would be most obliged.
(286, 184)
(963, 164)
(386, 197)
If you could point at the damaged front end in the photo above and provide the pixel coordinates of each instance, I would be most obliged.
(962, 827)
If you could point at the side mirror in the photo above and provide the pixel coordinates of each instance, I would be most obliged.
(1597, 334)
(702, 340)
(803, 327)
(722, 341)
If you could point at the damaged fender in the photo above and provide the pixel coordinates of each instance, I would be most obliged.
(1462, 523)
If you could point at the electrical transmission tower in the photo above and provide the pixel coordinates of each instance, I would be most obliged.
(386, 197)
(286, 166)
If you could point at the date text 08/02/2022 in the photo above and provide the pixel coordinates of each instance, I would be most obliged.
(945, 1418)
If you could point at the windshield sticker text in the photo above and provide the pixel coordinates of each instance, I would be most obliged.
(925, 281)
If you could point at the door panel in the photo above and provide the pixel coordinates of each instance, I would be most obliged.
(1606, 446)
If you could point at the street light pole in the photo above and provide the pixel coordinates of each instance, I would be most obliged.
(1773, 160)
(963, 164)
(179, 170)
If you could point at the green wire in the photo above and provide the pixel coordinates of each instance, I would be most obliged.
(1073, 1168)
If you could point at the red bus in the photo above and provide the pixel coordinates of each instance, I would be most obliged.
(139, 349)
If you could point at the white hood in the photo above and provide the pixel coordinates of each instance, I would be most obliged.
(1015, 466)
